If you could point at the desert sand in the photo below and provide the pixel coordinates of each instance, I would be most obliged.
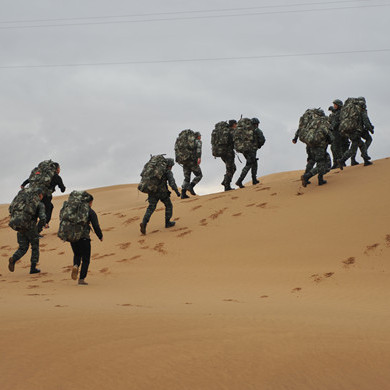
(274, 286)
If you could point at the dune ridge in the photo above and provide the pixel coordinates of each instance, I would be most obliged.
(274, 286)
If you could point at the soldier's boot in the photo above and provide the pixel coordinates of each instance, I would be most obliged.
(191, 189)
(142, 226)
(321, 180)
(228, 188)
(305, 178)
(34, 269)
(354, 162)
(367, 162)
(184, 194)
(341, 164)
(255, 181)
(169, 224)
(11, 264)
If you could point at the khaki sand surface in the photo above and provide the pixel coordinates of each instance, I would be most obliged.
(271, 287)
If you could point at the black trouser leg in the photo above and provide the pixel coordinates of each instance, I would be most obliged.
(82, 255)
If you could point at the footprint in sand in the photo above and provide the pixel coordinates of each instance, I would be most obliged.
(124, 245)
(234, 197)
(216, 197)
(196, 207)
(262, 205)
(275, 193)
(184, 233)
(371, 248)
(102, 256)
(129, 305)
(349, 262)
(120, 215)
(141, 241)
(299, 193)
(217, 213)
(236, 215)
(231, 300)
(48, 281)
(131, 258)
(61, 253)
(61, 306)
(266, 188)
(131, 220)
(160, 248)
(109, 229)
(203, 222)
(154, 231)
(105, 271)
(250, 205)
(31, 286)
(296, 289)
(318, 278)
(264, 296)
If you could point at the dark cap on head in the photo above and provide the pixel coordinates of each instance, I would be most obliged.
(255, 121)
(197, 134)
(232, 122)
(170, 162)
(338, 102)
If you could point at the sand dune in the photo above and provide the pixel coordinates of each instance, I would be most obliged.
(274, 286)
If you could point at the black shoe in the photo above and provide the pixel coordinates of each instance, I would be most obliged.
(34, 269)
(239, 184)
(305, 179)
(228, 188)
(184, 195)
(321, 181)
(83, 282)
(11, 264)
(191, 189)
(367, 162)
(354, 162)
(170, 224)
(255, 181)
(142, 226)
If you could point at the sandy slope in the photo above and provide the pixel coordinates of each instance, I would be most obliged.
(270, 287)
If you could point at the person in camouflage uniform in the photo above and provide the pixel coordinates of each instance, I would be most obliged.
(228, 158)
(367, 128)
(340, 142)
(364, 127)
(192, 166)
(30, 237)
(164, 195)
(310, 162)
(321, 165)
(251, 158)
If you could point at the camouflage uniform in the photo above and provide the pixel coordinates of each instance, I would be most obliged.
(338, 144)
(163, 194)
(228, 158)
(30, 237)
(192, 166)
(251, 159)
(367, 128)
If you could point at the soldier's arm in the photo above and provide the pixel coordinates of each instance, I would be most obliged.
(95, 224)
(260, 138)
(198, 148)
(296, 136)
(171, 181)
(41, 213)
(367, 123)
(57, 181)
(27, 181)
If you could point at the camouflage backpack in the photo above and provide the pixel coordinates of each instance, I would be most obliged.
(316, 132)
(152, 174)
(23, 209)
(221, 139)
(350, 116)
(185, 147)
(42, 175)
(309, 114)
(74, 216)
(244, 136)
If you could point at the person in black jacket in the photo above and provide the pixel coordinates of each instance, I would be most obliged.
(55, 181)
(82, 248)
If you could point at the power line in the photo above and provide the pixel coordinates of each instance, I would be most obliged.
(191, 17)
(179, 12)
(291, 55)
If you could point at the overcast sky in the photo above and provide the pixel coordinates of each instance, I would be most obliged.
(101, 121)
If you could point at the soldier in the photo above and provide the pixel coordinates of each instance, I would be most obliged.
(310, 160)
(82, 247)
(321, 159)
(250, 156)
(228, 158)
(47, 199)
(162, 194)
(30, 236)
(337, 146)
(367, 128)
(192, 166)
(356, 140)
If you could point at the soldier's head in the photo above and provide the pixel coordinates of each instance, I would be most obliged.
(57, 167)
(197, 135)
(337, 104)
(232, 123)
(170, 163)
(90, 199)
(255, 122)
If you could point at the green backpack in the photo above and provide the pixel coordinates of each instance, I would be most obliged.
(185, 146)
(42, 175)
(74, 216)
(244, 136)
(316, 132)
(23, 210)
(152, 174)
(350, 116)
(221, 139)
